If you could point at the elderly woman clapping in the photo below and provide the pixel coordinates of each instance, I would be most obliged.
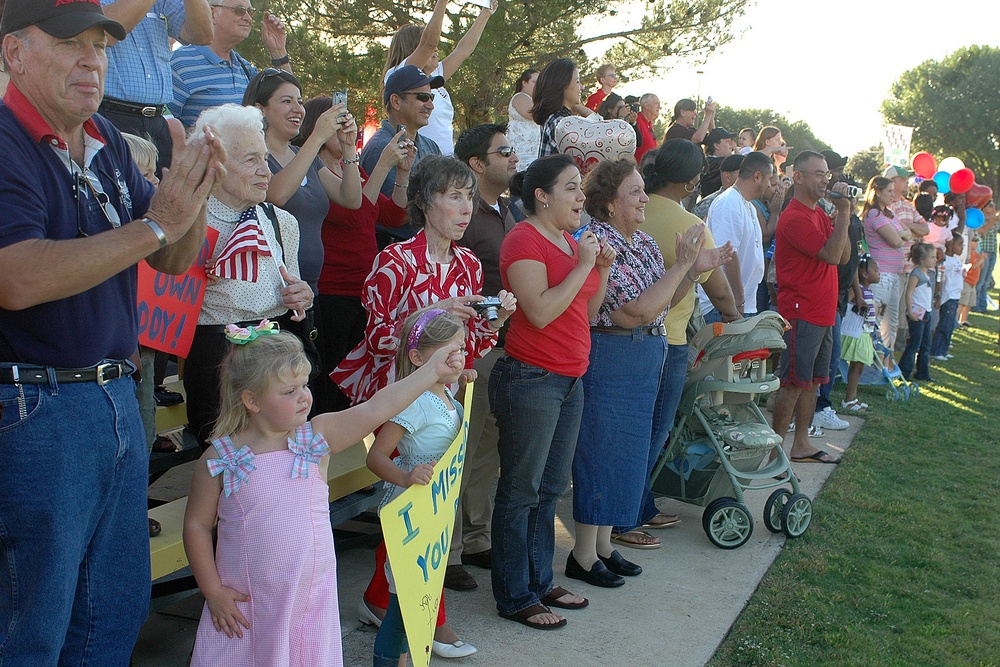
(625, 383)
(253, 269)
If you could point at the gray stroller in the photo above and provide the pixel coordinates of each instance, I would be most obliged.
(721, 438)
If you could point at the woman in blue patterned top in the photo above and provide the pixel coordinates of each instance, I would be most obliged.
(623, 386)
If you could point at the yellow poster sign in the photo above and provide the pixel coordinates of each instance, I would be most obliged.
(417, 527)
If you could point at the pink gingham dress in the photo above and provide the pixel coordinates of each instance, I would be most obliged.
(276, 545)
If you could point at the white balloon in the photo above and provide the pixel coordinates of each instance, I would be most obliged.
(951, 165)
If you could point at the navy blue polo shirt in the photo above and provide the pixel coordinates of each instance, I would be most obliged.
(37, 202)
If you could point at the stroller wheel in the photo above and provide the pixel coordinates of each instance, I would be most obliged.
(797, 515)
(710, 510)
(774, 508)
(728, 523)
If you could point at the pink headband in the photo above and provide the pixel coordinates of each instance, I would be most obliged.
(418, 328)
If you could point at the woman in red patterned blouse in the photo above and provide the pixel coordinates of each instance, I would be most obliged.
(428, 269)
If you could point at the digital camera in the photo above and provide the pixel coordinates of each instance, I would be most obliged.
(488, 308)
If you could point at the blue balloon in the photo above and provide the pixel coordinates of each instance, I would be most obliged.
(943, 180)
(974, 218)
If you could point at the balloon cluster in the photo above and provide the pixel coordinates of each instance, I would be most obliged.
(953, 176)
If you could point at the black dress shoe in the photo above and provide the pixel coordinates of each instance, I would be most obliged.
(617, 564)
(598, 575)
(165, 398)
(483, 559)
(457, 579)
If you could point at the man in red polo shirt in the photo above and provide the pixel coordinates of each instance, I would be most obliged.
(649, 109)
(807, 251)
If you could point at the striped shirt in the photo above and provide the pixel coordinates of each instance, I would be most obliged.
(201, 79)
(139, 65)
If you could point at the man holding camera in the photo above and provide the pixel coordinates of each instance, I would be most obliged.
(808, 250)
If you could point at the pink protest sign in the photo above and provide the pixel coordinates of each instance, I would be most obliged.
(169, 305)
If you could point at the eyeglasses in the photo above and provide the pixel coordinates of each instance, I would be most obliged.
(504, 151)
(822, 175)
(423, 97)
(85, 192)
(238, 10)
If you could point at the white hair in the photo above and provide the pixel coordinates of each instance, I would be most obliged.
(229, 121)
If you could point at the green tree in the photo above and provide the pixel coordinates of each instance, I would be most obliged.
(796, 134)
(953, 106)
(864, 164)
(338, 44)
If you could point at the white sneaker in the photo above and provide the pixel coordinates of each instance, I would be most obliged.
(814, 431)
(949, 356)
(827, 418)
(941, 357)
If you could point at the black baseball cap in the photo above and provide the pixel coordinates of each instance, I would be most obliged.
(59, 18)
(407, 78)
(731, 162)
(718, 134)
(834, 160)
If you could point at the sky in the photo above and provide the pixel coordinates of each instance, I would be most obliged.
(829, 65)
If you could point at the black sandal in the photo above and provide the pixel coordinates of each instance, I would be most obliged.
(535, 609)
(552, 599)
(154, 528)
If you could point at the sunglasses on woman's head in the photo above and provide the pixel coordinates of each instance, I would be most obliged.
(422, 96)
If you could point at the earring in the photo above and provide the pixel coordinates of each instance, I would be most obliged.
(545, 204)
(611, 214)
(689, 187)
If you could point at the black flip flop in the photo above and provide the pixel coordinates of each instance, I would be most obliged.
(552, 599)
(535, 609)
(816, 457)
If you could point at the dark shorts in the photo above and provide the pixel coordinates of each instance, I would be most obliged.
(805, 361)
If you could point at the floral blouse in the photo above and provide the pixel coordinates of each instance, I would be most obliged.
(403, 280)
(639, 264)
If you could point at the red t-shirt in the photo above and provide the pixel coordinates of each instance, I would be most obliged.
(563, 346)
(648, 139)
(807, 286)
(349, 246)
(595, 99)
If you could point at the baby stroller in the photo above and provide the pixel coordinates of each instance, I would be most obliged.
(884, 371)
(720, 437)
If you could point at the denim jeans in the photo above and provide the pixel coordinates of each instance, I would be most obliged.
(823, 392)
(538, 414)
(945, 328)
(669, 397)
(74, 563)
(390, 642)
(918, 345)
(983, 286)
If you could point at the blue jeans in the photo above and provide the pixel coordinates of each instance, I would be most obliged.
(671, 388)
(823, 392)
(918, 345)
(983, 286)
(538, 415)
(945, 328)
(74, 540)
(390, 642)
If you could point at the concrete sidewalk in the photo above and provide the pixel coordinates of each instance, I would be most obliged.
(676, 613)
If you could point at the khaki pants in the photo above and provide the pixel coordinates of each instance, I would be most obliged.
(482, 464)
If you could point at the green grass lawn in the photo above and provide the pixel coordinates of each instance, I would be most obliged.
(901, 565)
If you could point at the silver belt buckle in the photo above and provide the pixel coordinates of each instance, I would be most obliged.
(100, 373)
(660, 330)
(148, 112)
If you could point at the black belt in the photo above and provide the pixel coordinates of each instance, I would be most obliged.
(101, 373)
(144, 110)
(656, 330)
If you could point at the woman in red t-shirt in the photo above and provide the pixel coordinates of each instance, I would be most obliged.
(535, 390)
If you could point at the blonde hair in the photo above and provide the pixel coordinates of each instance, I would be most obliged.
(144, 151)
(436, 332)
(403, 43)
(253, 367)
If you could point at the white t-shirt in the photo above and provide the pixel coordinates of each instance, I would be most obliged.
(440, 126)
(953, 280)
(732, 218)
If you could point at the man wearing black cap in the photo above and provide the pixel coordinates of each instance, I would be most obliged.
(78, 216)
(719, 144)
(729, 169)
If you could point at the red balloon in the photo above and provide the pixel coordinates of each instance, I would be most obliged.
(978, 195)
(924, 165)
(962, 180)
